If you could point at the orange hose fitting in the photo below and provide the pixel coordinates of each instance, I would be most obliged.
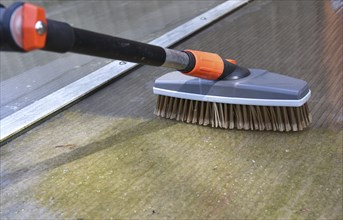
(207, 65)
(33, 19)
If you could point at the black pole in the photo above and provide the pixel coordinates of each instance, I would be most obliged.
(61, 37)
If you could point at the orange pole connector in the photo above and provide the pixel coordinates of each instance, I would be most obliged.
(33, 27)
(207, 65)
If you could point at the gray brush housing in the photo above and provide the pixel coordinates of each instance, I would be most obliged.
(261, 88)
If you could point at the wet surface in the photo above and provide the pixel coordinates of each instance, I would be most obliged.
(109, 157)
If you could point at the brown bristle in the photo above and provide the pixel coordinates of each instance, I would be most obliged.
(230, 116)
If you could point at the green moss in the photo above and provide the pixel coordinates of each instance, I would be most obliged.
(159, 168)
(137, 168)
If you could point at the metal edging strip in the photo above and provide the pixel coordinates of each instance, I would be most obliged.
(50, 104)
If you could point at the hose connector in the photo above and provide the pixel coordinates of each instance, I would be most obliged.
(211, 66)
(24, 27)
(206, 65)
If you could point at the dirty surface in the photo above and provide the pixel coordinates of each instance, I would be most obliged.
(109, 157)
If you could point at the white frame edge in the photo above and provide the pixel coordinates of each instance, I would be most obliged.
(233, 100)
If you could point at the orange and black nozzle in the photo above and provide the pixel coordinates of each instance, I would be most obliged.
(24, 27)
(212, 67)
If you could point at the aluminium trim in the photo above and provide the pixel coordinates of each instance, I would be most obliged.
(50, 104)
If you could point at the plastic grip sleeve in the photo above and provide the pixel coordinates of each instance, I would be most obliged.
(60, 37)
(101, 45)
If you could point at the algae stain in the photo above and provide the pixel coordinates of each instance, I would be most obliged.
(102, 170)
(159, 168)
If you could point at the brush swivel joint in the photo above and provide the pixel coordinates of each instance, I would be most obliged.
(212, 67)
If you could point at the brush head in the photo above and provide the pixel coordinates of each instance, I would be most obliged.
(260, 101)
(261, 88)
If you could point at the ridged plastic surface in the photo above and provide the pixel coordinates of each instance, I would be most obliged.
(259, 85)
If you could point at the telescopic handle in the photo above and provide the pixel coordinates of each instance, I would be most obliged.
(24, 27)
(61, 37)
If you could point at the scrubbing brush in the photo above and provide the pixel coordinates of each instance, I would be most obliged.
(210, 91)
(260, 101)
